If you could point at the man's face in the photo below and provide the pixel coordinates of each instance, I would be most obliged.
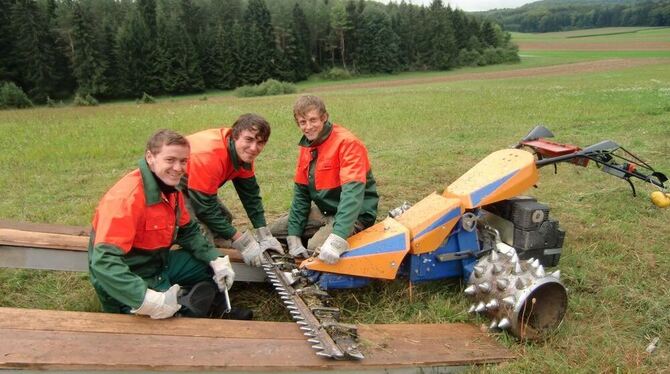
(169, 164)
(248, 146)
(311, 123)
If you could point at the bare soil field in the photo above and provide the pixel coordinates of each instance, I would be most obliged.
(574, 68)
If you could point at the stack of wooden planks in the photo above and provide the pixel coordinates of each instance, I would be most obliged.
(76, 341)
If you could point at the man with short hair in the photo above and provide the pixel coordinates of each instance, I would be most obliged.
(334, 173)
(132, 267)
(227, 154)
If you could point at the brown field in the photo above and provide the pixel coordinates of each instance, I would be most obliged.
(574, 68)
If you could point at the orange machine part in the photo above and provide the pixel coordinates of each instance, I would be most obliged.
(375, 252)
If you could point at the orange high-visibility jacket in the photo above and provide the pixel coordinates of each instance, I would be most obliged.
(213, 161)
(134, 227)
(335, 174)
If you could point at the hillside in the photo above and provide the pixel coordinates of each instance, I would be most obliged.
(564, 15)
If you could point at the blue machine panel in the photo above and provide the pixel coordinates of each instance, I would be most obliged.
(426, 266)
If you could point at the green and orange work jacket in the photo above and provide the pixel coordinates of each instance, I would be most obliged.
(334, 172)
(213, 161)
(134, 227)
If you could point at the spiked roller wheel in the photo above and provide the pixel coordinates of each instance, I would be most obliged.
(518, 295)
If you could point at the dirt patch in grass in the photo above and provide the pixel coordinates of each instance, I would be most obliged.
(575, 68)
(576, 46)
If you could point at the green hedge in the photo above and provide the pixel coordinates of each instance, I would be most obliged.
(268, 88)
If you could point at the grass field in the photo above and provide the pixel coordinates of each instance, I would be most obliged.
(57, 163)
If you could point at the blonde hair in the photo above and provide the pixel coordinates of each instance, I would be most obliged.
(307, 103)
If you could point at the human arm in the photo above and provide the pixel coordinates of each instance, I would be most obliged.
(300, 206)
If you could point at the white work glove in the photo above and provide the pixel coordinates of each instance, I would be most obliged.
(159, 305)
(332, 248)
(224, 276)
(251, 251)
(295, 247)
(267, 241)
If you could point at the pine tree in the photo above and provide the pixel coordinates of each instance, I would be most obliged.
(286, 57)
(489, 35)
(208, 58)
(340, 24)
(232, 39)
(7, 64)
(148, 13)
(378, 48)
(88, 64)
(253, 64)
(178, 61)
(111, 72)
(406, 27)
(302, 35)
(133, 53)
(351, 34)
(442, 50)
(33, 50)
(147, 10)
(61, 41)
(258, 29)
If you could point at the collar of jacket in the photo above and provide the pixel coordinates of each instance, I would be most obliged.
(152, 194)
(233, 155)
(325, 133)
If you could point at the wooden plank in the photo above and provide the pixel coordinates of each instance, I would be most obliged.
(49, 320)
(45, 227)
(87, 341)
(21, 238)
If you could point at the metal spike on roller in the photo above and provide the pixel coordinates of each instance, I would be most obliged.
(520, 296)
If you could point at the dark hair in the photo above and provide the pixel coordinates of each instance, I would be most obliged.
(306, 103)
(165, 137)
(252, 122)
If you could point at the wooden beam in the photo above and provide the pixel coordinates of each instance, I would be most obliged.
(66, 252)
(39, 339)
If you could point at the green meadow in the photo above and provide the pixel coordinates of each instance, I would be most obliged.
(58, 162)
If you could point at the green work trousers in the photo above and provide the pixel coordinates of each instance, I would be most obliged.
(182, 268)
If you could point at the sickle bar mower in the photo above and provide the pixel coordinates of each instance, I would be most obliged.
(481, 229)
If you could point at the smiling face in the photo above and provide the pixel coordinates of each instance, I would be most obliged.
(311, 123)
(248, 145)
(169, 163)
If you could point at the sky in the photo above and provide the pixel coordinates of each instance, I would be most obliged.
(474, 5)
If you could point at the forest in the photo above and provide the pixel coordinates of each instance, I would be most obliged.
(565, 15)
(112, 49)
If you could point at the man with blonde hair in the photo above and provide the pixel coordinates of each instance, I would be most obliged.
(333, 172)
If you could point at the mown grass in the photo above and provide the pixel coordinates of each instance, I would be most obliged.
(57, 163)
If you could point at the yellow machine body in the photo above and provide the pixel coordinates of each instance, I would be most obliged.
(501, 175)
(378, 251)
(430, 221)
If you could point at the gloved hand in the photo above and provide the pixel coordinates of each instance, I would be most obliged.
(224, 276)
(159, 305)
(251, 251)
(267, 241)
(295, 247)
(332, 248)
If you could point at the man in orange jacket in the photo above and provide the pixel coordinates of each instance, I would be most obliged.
(227, 154)
(136, 223)
(333, 171)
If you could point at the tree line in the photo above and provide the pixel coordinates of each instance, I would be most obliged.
(547, 16)
(125, 48)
